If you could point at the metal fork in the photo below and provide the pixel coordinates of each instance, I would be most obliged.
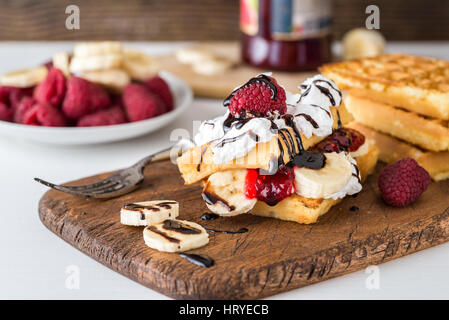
(121, 182)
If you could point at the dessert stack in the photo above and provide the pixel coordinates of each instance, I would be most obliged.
(402, 102)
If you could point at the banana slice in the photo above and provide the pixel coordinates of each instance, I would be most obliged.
(210, 67)
(86, 49)
(98, 62)
(361, 43)
(114, 79)
(24, 78)
(61, 60)
(224, 193)
(193, 55)
(322, 183)
(148, 212)
(175, 236)
(139, 65)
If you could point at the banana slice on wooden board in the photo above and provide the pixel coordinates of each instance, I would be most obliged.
(24, 78)
(114, 79)
(148, 212)
(98, 48)
(175, 236)
(224, 193)
(139, 65)
(193, 55)
(210, 67)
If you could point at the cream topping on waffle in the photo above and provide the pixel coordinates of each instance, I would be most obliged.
(310, 108)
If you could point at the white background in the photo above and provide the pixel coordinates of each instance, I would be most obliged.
(33, 260)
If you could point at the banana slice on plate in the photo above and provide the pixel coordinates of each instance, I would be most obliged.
(61, 60)
(361, 43)
(24, 78)
(98, 62)
(148, 212)
(324, 182)
(86, 49)
(114, 79)
(224, 193)
(175, 236)
(139, 65)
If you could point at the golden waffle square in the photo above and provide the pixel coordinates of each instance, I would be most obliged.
(305, 210)
(197, 163)
(418, 84)
(392, 149)
(427, 133)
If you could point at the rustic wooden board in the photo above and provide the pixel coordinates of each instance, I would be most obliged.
(274, 256)
(220, 86)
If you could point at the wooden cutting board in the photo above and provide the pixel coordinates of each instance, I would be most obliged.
(220, 86)
(274, 256)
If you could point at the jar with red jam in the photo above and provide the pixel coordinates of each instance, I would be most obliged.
(287, 35)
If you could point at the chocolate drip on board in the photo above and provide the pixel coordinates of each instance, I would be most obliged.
(197, 259)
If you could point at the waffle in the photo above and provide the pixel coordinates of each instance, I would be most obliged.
(414, 83)
(429, 134)
(197, 163)
(392, 149)
(305, 210)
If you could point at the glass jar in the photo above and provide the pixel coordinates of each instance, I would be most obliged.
(287, 35)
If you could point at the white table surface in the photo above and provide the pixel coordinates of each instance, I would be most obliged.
(33, 260)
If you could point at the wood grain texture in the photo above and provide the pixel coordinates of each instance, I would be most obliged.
(274, 256)
(200, 19)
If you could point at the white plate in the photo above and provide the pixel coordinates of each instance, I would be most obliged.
(182, 95)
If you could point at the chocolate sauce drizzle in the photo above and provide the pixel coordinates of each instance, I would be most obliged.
(163, 234)
(198, 167)
(209, 216)
(259, 79)
(322, 89)
(199, 260)
(176, 226)
(154, 207)
(251, 134)
(241, 230)
(211, 199)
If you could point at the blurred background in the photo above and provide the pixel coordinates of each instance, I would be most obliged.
(201, 19)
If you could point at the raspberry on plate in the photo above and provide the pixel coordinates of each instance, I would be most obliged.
(83, 97)
(114, 115)
(5, 112)
(140, 103)
(402, 182)
(260, 96)
(44, 114)
(52, 89)
(25, 104)
(159, 87)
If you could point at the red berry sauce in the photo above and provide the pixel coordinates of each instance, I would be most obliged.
(344, 139)
(270, 188)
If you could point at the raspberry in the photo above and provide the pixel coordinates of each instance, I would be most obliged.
(159, 87)
(52, 89)
(402, 182)
(83, 97)
(5, 112)
(114, 115)
(44, 114)
(256, 98)
(25, 104)
(270, 188)
(140, 103)
(11, 96)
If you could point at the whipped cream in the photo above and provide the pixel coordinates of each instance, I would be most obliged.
(310, 108)
(353, 186)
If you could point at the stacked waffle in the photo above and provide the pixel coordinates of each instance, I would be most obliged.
(279, 154)
(402, 102)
